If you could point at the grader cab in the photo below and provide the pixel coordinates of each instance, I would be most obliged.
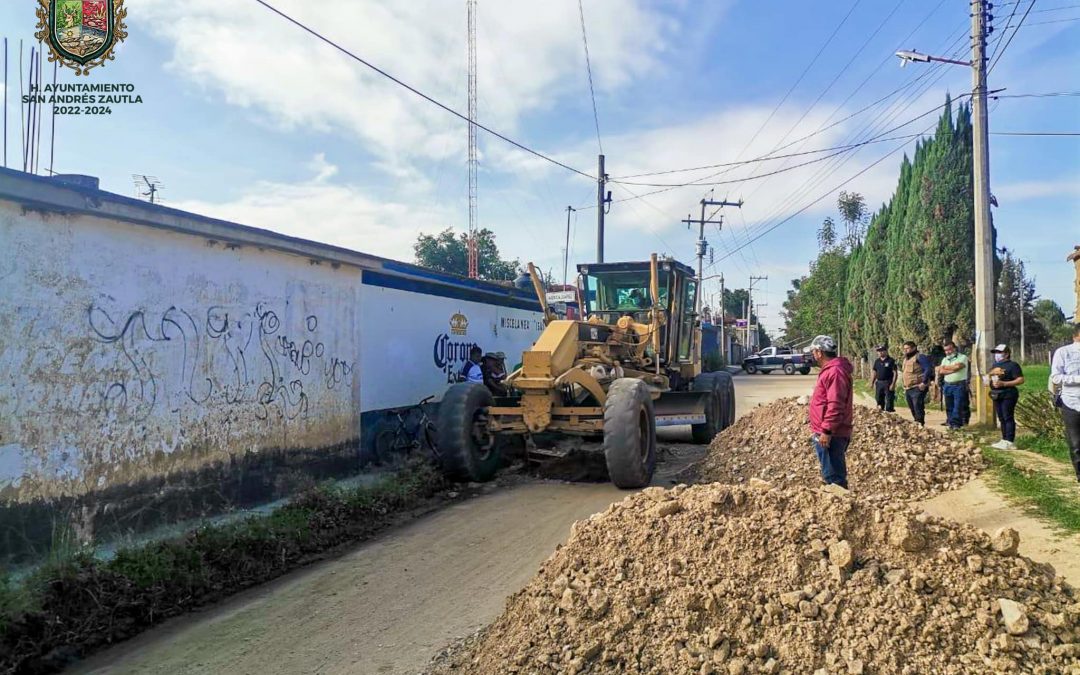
(632, 364)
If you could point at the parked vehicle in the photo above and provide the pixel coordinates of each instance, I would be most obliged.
(778, 358)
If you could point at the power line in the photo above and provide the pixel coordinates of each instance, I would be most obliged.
(810, 185)
(1035, 133)
(839, 150)
(763, 158)
(800, 78)
(1008, 23)
(938, 68)
(588, 68)
(701, 182)
(419, 93)
(1043, 95)
(1001, 52)
(1045, 23)
(823, 196)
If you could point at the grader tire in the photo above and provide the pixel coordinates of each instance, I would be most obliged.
(467, 453)
(725, 390)
(704, 433)
(629, 434)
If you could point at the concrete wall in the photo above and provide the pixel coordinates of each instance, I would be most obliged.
(157, 366)
(417, 341)
(137, 363)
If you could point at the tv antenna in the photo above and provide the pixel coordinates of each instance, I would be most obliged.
(147, 187)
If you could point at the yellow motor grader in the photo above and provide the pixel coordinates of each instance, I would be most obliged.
(632, 364)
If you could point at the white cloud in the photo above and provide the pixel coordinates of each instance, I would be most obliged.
(334, 213)
(529, 56)
(322, 168)
(1040, 189)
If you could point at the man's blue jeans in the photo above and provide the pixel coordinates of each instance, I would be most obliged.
(833, 465)
(955, 394)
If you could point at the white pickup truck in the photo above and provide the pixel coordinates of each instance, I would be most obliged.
(777, 358)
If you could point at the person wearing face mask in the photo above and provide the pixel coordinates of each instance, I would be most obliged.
(1005, 377)
(1065, 381)
(917, 372)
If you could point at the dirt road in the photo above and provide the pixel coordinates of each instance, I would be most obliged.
(391, 604)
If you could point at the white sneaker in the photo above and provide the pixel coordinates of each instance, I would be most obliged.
(1001, 445)
(1010, 445)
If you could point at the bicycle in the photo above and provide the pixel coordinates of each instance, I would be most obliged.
(407, 430)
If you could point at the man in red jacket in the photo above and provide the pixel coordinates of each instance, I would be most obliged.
(831, 410)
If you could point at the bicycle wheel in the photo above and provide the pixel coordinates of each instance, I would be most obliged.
(387, 442)
(428, 436)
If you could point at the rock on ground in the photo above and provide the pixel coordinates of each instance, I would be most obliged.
(797, 580)
(890, 457)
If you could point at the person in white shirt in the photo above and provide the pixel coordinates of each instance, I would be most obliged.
(473, 370)
(1065, 380)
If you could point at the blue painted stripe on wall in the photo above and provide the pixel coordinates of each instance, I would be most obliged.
(455, 292)
(452, 279)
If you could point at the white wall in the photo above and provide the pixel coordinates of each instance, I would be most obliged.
(410, 349)
(128, 351)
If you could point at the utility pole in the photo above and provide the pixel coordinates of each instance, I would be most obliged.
(984, 247)
(750, 300)
(473, 244)
(566, 251)
(602, 200)
(984, 251)
(702, 245)
(1023, 343)
(723, 315)
(746, 329)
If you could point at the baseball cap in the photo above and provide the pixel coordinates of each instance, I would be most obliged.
(1001, 348)
(500, 355)
(824, 343)
(881, 348)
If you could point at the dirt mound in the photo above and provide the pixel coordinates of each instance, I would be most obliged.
(889, 457)
(751, 579)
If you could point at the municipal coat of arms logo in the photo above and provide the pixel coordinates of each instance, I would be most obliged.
(81, 34)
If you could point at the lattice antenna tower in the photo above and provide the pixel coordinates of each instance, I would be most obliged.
(147, 187)
(473, 244)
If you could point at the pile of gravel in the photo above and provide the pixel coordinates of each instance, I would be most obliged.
(889, 457)
(756, 579)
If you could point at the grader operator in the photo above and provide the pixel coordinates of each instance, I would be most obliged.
(632, 364)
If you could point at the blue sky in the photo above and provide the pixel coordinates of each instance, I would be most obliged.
(248, 118)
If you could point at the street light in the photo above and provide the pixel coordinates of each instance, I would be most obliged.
(984, 254)
(917, 57)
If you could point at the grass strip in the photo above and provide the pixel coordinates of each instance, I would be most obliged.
(69, 607)
(1044, 496)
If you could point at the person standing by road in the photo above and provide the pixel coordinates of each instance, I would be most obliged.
(1005, 377)
(885, 374)
(917, 372)
(473, 370)
(954, 368)
(831, 412)
(1065, 378)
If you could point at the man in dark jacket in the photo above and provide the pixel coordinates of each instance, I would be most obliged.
(917, 372)
(831, 411)
(885, 373)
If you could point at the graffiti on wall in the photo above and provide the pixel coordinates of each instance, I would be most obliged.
(104, 393)
(226, 357)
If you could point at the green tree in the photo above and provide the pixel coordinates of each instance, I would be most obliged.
(852, 208)
(1016, 294)
(911, 276)
(735, 300)
(815, 303)
(447, 251)
(1052, 318)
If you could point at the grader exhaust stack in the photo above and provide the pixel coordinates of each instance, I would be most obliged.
(629, 366)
